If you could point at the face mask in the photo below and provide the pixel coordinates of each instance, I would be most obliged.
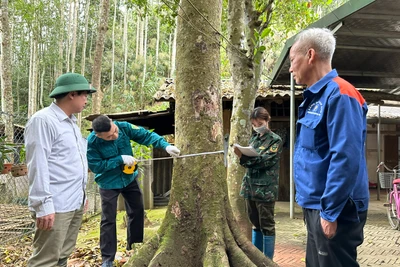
(262, 129)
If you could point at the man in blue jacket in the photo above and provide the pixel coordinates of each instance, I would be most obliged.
(330, 168)
(109, 150)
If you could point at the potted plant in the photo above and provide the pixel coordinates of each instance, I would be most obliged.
(20, 169)
(5, 149)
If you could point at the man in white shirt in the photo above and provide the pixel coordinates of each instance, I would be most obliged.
(57, 171)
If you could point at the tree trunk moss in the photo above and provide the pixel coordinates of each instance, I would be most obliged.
(199, 228)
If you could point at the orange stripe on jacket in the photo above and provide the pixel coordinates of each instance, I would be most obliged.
(347, 88)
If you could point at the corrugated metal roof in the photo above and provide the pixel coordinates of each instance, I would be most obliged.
(368, 45)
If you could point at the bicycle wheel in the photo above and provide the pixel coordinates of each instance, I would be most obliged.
(392, 212)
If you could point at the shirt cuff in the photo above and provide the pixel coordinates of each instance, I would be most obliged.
(45, 209)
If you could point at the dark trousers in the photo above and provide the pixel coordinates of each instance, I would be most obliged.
(338, 251)
(135, 211)
(261, 215)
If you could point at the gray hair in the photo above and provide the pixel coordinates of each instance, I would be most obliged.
(320, 39)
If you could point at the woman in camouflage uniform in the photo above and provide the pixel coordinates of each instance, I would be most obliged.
(260, 183)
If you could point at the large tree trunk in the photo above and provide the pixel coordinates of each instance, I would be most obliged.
(199, 228)
(96, 73)
(6, 71)
(246, 65)
(243, 101)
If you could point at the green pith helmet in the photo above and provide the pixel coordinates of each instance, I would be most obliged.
(70, 82)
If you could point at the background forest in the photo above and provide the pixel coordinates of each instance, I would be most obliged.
(47, 38)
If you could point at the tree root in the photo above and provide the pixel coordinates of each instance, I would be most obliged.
(255, 255)
(144, 255)
(215, 254)
(237, 257)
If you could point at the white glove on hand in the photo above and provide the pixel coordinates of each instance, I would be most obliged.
(128, 160)
(173, 151)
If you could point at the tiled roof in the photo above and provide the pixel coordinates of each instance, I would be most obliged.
(167, 91)
(386, 112)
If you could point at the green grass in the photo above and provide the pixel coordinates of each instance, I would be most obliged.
(90, 230)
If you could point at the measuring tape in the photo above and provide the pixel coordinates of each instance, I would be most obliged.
(131, 169)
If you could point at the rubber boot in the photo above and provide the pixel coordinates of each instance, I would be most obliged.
(257, 239)
(269, 246)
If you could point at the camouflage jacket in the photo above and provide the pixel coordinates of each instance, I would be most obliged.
(261, 180)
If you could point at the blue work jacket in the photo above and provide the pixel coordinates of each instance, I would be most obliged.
(104, 157)
(329, 159)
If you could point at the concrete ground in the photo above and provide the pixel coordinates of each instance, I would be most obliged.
(381, 245)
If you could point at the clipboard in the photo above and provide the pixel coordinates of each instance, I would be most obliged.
(247, 150)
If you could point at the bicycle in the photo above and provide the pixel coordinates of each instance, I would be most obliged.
(391, 182)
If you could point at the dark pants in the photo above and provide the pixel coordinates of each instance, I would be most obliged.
(261, 215)
(338, 251)
(135, 211)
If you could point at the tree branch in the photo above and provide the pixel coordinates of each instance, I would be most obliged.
(268, 8)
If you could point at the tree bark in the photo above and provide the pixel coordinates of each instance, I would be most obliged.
(96, 73)
(60, 61)
(137, 36)
(6, 73)
(242, 69)
(113, 54)
(83, 61)
(246, 67)
(199, 228)
(142, 104)
(68, 40)
(141, 38)
(74, 33)
(125, 42)
(33, 75)
(41, 105)
(173, 56)
(158, 38)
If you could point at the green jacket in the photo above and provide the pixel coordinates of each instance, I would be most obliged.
(261, 180)
(104, 157)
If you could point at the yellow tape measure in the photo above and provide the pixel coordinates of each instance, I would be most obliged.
(129, 169)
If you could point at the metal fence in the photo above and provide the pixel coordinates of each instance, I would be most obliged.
(15, 217)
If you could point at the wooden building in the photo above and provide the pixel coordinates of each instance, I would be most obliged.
(276, 101)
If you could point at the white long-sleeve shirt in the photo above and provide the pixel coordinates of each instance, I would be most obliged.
(57, 163)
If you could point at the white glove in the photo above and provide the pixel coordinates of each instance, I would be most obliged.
(128, 160)
(173, 151)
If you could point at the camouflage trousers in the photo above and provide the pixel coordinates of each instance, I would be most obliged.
(261, 215)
